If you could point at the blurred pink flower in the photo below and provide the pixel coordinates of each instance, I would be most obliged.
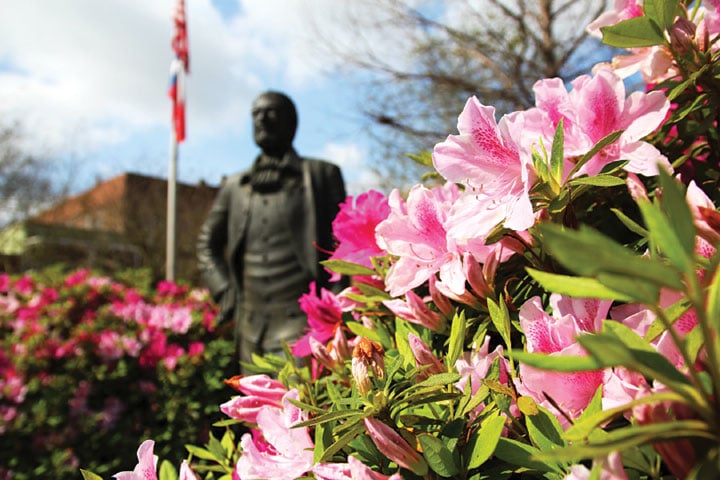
(186, 472)
(622, 10)
(611, 468)
(172, 355)
(146, 469)
(354, 227)
(289, 451)
(324, 316)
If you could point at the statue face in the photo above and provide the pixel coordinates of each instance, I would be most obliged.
(273, 125)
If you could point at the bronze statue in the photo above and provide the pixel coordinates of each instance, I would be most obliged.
(267, 231)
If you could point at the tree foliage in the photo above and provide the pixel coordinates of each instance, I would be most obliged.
(420, 61)
(26, 180)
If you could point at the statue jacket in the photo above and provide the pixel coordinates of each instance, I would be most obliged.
(310, 212)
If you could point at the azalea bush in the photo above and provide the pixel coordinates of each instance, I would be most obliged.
(546, 305)
(90, 366)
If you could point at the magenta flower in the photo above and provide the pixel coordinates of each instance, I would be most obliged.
(146, 469)
(394, 446)
(415, 231)
(354, 228)
(555, 335)
(288, 453)
(324, 316)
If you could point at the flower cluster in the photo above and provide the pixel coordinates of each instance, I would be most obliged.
(89, 364)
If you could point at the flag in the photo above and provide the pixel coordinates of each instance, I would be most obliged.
(179, 66)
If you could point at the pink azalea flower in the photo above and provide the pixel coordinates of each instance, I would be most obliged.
(596, 107)
(289, 451)
(555, 335)
(260, 391)
(474, 366)
(354, 227)
(487, 157)
(324, 316)
(354, 469)
(146, 469)
(415, 232)
(414, 310)
(186, 472)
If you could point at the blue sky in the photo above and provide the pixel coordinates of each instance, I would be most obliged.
(86, 81)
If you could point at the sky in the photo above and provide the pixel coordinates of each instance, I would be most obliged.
(86, 83)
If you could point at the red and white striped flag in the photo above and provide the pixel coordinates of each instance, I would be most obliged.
(178, 68)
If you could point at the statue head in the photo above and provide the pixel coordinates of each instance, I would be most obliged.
(274, 122)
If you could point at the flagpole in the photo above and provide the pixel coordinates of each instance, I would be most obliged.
(171, 210)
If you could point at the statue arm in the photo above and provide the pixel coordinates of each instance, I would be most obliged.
(212, 246)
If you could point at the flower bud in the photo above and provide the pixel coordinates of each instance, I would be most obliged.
(367, 356)
(393, 446)
(424, 357)
(682, 36)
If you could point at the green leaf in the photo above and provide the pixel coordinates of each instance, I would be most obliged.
(347, 268)
(604, 142)
(557, 363)
(423, 158)
(330, 416)
(342, 441)
(557, 155)
(590, 253)
(523, 455)
(484, 442)
(202, 453)
(680, 221)
(662, 12)
(362, 331)
(90, 475)
(167, 471)
(586, 423)
(633, 32)
(577, 287)
(438, 456)
(456, 340)
(598, 181)
(438, 380)
(630, 437)
(629, 223)
(500, 318)
(544, 429)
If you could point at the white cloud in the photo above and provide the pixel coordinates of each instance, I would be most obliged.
(352, 160)
(88, 78)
